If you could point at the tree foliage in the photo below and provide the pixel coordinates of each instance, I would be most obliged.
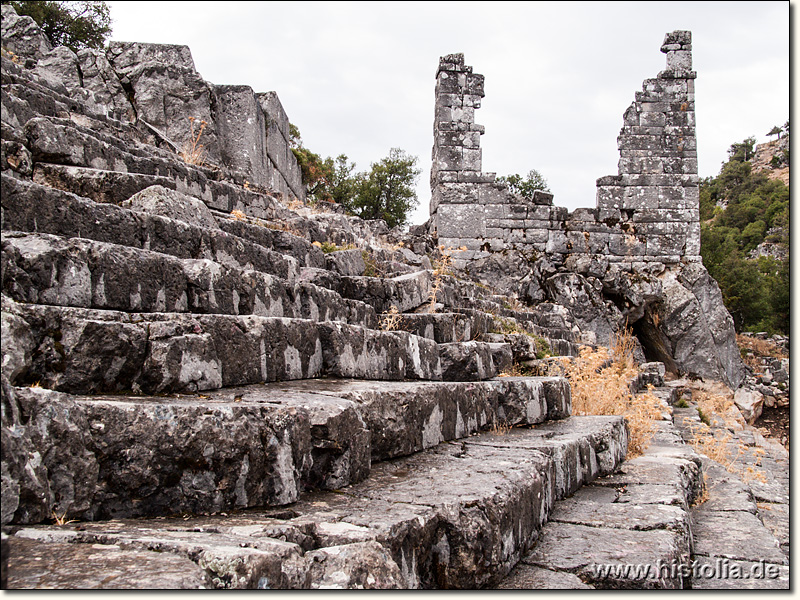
(740, 210)
(527, 186)
(385, 192)
(73, 24)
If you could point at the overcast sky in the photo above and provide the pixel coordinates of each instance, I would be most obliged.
(358, 78)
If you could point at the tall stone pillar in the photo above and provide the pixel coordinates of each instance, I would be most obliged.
(657, 189)
(456, 171)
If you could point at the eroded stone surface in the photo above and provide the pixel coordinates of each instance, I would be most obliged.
(36, 565)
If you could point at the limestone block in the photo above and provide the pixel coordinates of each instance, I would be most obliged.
(167, 90)
(476, 177)
(650, 143)
(631, 116)
(467, 139)
(542, 198)
(449, 100)
(473, 100)
(448, 158)
(495, 194)
(60, 67)
(346, 262)
(461, 221)
(158, 200)
(653, 119)
(471, 159)
(646, 107)
(22, 36)
(641, 197)
(474, 84)
(467, 361)
(626, 244)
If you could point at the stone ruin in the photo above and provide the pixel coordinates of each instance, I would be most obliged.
(633, 260)
(217, 402)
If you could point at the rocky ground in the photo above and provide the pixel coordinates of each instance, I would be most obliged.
(774, 424)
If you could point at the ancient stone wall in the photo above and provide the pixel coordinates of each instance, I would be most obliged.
(648, 213)
(631, 261)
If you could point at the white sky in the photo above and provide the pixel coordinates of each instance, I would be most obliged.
(358, 78)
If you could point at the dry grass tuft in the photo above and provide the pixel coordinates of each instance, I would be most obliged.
(600, 380)
(719, 447)
(238, 215)
(500, 428)
(391, 319)
(759, 347)
(193, 152)
(61, 519)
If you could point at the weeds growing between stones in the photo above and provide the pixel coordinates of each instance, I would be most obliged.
(193, 152)
(600, 380)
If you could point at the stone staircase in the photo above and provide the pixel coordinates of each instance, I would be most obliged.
(196, 395)
(195, 391)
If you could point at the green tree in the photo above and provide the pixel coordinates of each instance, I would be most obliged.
(73, 24)
(775, 131)
(742, 151)
(525, 187)
(387, 190)
(756, 292)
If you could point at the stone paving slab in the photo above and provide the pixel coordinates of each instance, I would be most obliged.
(529, 577)
(737, 535)
(584, 551)
(38, 565)
(726, 574)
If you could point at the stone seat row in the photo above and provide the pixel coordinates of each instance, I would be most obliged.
(452, 514)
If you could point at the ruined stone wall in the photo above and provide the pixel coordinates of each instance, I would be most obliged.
(648, 213)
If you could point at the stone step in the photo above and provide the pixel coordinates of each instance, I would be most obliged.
(459, 515)
(407, 417)
(31, 207)
(46, 269)
(628, 530)
(93, 351)
(443, 328)
(109, 456)
(405, 292)
(48, 136)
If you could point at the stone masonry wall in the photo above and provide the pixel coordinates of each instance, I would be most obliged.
(648, 213)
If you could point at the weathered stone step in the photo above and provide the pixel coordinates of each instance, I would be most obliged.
(48, 136)
(94, 351)
(36, 208)
(628, 530)
(407, 417)
(46, 269)
(443, 328)
(456, 516)
(260, 445)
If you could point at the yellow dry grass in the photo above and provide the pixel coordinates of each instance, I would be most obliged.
(193, 152)
(390, 320)
(600, 380)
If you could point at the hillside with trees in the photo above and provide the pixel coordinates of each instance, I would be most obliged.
(744, 213)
